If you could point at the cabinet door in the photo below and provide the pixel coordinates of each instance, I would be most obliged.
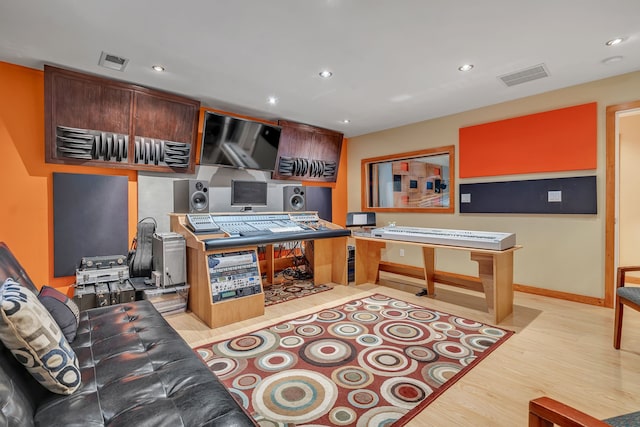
(307, 153)
(296, 141)
(325, 149)
(83, 102)
(89, 104)
(165, 123)
(160, 116)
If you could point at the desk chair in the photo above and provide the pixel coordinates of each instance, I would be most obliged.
(624, 296)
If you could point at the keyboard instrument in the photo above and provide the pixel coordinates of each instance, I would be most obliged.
(441, 236)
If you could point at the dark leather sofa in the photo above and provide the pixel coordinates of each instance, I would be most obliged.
(136, 371)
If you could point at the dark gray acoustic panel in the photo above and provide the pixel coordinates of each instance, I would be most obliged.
(319, 199)
(90, 218)
(576, 195)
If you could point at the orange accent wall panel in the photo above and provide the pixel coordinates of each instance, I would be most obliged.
(559, 140)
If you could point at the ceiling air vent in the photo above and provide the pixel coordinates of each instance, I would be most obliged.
(112, 62)
(533, 73)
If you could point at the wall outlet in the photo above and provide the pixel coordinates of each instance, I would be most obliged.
(554, 196)
(401, 252)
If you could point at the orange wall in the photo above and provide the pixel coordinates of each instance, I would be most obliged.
(565, 139)
(26, 217)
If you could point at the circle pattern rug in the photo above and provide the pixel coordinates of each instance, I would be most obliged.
(375, 361)
(282, 292)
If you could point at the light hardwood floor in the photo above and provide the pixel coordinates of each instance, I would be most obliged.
(560, 349)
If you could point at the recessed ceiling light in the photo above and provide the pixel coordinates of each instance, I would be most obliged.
(465, 67)
(346, 121)
(158, 68)
(325, 74)
(272, 100)
(615, 41)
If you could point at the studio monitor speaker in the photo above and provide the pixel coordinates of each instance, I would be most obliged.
(293, 198)
(191, 196)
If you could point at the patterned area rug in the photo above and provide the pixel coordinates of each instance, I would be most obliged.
(282, 292)
(370, 362)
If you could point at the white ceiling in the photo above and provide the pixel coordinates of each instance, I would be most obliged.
(394, 62)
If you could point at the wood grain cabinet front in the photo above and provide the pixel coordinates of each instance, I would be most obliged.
(90, 120)
(307, 153)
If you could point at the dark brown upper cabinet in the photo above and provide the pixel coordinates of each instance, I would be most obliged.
(90, 120)
(307, 153)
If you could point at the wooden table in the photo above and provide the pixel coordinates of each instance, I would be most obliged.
(495, 270)
(328, 258)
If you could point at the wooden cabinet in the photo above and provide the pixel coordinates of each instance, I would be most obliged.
(307, 153)
(220, 313)
(95, 121)
(160, 117)
(81, 103)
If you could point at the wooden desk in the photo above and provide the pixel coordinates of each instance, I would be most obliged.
(328, 259)
(495, 270)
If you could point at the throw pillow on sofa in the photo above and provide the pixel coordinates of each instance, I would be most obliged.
(35, 339)
(63, 310)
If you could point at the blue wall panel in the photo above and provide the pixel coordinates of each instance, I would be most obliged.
(577, 196)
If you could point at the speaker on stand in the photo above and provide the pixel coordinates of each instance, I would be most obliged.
(293, 198)
(191, 196)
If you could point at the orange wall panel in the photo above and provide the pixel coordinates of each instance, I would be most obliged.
(26, 181)
(552, 141)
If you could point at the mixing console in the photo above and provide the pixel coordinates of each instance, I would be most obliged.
(261, 229)
(251, 224)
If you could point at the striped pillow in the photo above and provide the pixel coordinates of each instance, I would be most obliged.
(35, 339)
